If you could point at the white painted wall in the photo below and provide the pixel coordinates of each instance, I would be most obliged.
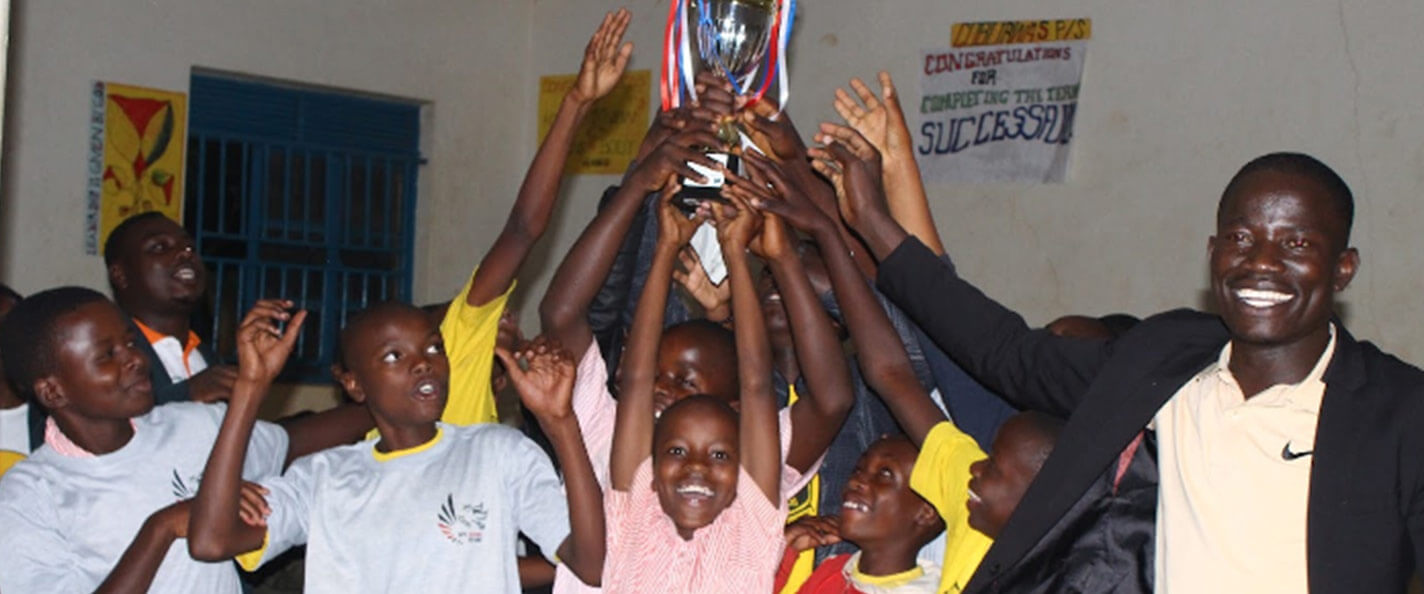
(1177, 95)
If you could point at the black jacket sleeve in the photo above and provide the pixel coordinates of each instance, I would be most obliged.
(1031, 368)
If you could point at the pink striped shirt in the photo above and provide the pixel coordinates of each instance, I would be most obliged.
(737, 554)
(596, 411)
(62, 445)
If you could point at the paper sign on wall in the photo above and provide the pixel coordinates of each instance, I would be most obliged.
(999, 104)
(136, 142)
(613, 128)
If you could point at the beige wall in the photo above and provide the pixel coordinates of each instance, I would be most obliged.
(1176, 96)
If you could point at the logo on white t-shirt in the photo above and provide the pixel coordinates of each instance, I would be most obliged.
(462, 524)
(185, 489)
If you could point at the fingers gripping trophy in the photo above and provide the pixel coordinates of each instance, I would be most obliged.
(743, 41)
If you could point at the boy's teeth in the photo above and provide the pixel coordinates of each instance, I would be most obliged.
(860, 507)
(186, 274)
(694, 490)
(975, 496)
(426, 389)
(1262, 298)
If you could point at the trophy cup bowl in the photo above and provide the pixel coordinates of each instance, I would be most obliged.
(732, 39)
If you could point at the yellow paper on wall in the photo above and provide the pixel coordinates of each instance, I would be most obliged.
(137, 142)
(608, 139)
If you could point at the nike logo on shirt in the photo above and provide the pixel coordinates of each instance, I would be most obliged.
(1288, 455)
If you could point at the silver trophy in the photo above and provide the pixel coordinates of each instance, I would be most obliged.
(731, 38)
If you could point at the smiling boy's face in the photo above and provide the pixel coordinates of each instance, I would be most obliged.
(878, 505)
(395, 363)
(99, 375)
(695, 462)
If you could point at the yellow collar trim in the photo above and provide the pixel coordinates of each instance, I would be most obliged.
(392, 455)
(893, 580)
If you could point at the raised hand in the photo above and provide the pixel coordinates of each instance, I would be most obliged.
(669, 122)
(545, 380)
(212, 384)
(774, 132)
(604, 59)
(854, 167)
(672, 155)
(715, 300)
(813, 531)
(675, 229)
(252, 504)
(262, 347)
(769, 190)
(715, 93)
(879, 119)
(737, 224)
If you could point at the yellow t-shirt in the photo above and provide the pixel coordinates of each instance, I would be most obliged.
(470, 332)
(799, 506)
(941, 476)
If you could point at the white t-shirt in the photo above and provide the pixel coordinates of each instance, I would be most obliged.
(15, 429)
(440, 517)
(67, 520)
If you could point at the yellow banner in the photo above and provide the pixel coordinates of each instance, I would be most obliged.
(139, 167)
(1011, 32)
(609, 137)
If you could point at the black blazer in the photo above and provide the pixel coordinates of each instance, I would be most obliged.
(1365, 525)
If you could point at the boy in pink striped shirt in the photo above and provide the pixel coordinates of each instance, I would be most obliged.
(704, 512)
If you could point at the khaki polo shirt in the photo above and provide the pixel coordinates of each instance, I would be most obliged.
(1235, 482)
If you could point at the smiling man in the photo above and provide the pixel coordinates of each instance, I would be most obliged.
(158, 279)
(1290, 454)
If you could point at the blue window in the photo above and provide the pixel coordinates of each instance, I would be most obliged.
(307, 195)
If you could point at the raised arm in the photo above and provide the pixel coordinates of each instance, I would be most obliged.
(216, 531)
(1031, 368)
(546, 388)
(777, 133)
(881, 355)
(760, 443)
(564, 310)
(816, 417)
(881, 121)
(633, 426)
(604, 59)
(135, 570)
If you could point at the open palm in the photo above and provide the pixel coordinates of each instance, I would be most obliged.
(545, 380)
(605, 58)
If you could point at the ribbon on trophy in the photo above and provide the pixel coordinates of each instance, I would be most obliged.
(676, 81)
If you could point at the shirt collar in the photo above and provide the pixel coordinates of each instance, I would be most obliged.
(1305, 394)
(153, 336)
(62, 445)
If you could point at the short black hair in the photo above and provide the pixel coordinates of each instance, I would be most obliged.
(706, 402)
(28, 336)
(708, 330)
(361, 318)
(1043, 430)
(1301, 164)
(119, 235)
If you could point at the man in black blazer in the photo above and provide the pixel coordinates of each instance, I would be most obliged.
(1279, 255)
